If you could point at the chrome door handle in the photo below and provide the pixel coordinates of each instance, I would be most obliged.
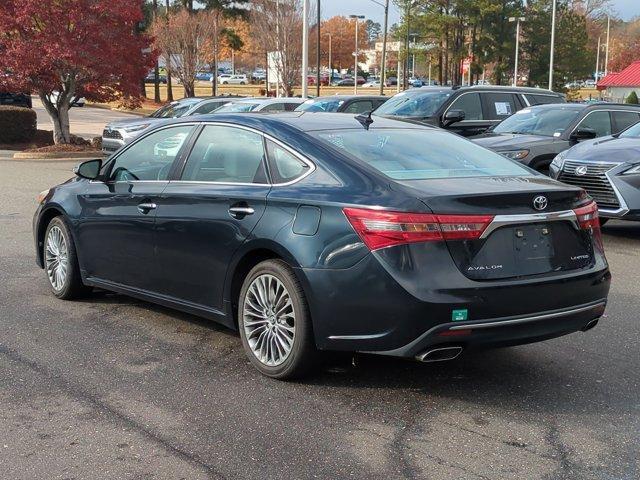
(241, 211)
(146, 207)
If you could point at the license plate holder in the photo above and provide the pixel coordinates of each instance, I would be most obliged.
(532, 243)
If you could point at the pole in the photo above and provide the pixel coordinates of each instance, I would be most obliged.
(330, 61)
(318, 50)
(278, 58)
(384, 47)
(233, 62)
(553, 41)
(355, 69)
(429, 70)
(305, 47)
(405, 67)
(598, 61)
(606, 52)
(515, 69)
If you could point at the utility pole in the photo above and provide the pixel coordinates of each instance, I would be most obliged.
(606, 52)
(357, 18)
(305, 47)
(318, 50)
(515, 68)
(553, 41)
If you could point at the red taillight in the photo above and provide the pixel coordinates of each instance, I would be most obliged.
(380, 228)
(588, 216)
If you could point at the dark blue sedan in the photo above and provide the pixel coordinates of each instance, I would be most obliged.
(310, 232)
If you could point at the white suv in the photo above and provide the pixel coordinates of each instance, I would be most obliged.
(233, 79)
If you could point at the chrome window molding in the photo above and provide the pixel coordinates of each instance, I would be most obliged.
(504, 220)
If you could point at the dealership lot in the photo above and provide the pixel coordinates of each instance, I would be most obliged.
(111, 387)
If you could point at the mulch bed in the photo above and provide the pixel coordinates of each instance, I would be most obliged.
(63, 148)
(42, 138)
(43, 142)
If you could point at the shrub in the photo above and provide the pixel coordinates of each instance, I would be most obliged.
(632, 98)
(17, 124)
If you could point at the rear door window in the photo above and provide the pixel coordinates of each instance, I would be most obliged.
(498, 105)
(283, 165)
(359, 106)
(623, 120)
(470, 104)
(598, 121)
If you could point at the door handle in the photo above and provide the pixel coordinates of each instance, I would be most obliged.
(146, 207)
(239, 212)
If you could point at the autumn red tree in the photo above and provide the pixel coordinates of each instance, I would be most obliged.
(78, 48)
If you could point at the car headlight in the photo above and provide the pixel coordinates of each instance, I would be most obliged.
(632, 171)
(42, 195)
(558, 160)
(136, 128)
(515, 154)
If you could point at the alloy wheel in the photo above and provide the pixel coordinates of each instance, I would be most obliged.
(268, 319)
(56, 258)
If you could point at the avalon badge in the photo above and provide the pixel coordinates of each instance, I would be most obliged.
(540, 202)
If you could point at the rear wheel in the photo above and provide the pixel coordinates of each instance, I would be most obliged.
(61, 262)
(274, 321)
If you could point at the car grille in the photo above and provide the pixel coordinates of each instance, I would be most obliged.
(107, 133)
(594, 181)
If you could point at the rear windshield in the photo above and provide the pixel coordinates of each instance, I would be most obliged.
(405, 154)
(325, 105)
(414, 104)
(548, 122)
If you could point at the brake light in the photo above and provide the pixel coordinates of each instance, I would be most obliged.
(588, 216)
(380, 228)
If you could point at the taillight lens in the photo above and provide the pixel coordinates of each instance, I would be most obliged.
(380, 228)
(588, 216)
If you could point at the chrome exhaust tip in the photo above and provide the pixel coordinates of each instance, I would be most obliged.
(440, 354)
(590, 325)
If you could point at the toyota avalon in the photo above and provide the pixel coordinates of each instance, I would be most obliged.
(309, 232)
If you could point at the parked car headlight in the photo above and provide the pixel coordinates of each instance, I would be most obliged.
(558, 160)
(136, 128)
(632, 171)
(515, 154)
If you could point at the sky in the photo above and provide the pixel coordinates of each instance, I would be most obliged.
(624, 8)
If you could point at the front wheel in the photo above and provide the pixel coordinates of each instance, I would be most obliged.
(274, 321)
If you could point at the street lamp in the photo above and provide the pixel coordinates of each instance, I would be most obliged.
(330, 63)
(384, 43)
(305, 47)
(355, 69)
(553, 42)
(515, 68)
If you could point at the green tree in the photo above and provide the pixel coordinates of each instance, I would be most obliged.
(632, 98)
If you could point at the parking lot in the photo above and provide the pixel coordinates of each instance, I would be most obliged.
(111, 387)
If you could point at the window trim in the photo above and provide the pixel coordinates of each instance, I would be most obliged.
(589, 113)
(108, 166)
(295, 153)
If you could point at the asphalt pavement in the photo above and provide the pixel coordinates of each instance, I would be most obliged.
(114, 388)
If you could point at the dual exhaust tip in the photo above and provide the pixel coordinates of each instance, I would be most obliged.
(440, 354)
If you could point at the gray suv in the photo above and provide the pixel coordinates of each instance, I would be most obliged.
(535, 135)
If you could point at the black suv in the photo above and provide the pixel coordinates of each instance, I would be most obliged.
(16, 99)
(534, 136)
(464, 110)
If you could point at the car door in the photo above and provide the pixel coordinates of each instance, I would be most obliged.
(209, 211)
(498, 105)
(474, 122)
(598, 120)
(116, 223)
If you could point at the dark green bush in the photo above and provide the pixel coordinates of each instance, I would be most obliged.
(17, 124)
(632, 98)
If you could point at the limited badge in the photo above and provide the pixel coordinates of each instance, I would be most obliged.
(459, 315)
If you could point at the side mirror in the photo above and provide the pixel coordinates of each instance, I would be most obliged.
(89, 169)
(583, 133)
(453, 116)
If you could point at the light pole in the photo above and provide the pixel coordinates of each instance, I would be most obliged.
(355, 55)
(515, 68)
(384, 43)
(606, 52)
(318, 52)
(305, 47)
(553, 41)
(598, 61)
(330, 63)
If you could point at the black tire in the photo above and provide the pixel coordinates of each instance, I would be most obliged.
(603, 221)
(303, 354)
(72, 286)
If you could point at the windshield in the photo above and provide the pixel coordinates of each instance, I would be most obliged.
(547, 122)
(412, 154)
(172, 110)
(632, 132)
(237, 107)
(423, 104)
(326, 105)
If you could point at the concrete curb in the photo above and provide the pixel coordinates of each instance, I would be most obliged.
(57, 155)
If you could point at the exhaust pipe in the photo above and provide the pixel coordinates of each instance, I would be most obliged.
(439, 354)
(590, 325)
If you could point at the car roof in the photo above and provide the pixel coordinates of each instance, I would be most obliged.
(558, 106)
(348, 97)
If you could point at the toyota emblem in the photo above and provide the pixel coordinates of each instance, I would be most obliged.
(582, 170)
(540, 202)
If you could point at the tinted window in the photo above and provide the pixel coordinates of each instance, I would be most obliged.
(539, 121)
(624, 119)
(151, 157)
(499, 105)
(290, 107)
(285, 166)
(172, 110)
(470, 104)
(414, 104)
(237, 107)
(320, 105)
(406, 154)
(227, 155)
(542, 99)
(598, 121)
(359, 106)
(208, 107)
(274, 107)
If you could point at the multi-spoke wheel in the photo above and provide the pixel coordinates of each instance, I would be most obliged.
(60, 261)
(274, 322)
